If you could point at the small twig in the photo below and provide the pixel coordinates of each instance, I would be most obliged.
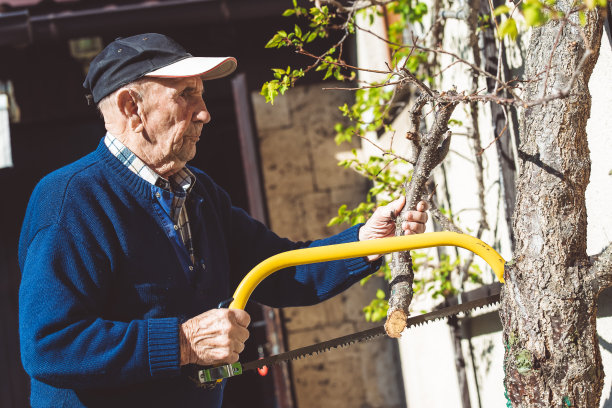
(385, 152)
(494, 140)
(339, 88)
(385, 166)
(492, 8)
(462, 156)
(446, 67)
(431, 194)
(419, 84)
(340, 64)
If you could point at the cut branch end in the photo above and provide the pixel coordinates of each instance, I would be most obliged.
(396, 323)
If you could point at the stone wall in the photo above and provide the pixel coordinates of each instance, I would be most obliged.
(304, 188)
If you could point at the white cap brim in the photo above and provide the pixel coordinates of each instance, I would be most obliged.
(204, 67)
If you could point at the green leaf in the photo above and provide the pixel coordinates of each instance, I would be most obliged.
(273, 42)
(330, 71)
(365, 280)
(298, 31)
(359, 219)
(270, 90)
(311, 37)
(380, 294)
(534, 13)
(508, 28)
(288, 12)
(334, 221)
(278, 73)
(277, 41)
(534, 16)
(503, 9)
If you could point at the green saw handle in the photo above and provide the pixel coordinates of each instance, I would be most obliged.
(363, 248)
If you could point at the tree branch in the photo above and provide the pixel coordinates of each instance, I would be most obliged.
(601, 271)
(402, 275)
(446, 223)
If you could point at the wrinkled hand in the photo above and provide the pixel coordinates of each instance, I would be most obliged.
(382, 223)
(214, 337)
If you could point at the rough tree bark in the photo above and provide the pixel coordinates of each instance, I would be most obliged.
(431, 150)
(549, 301)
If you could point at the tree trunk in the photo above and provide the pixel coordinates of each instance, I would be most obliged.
(549, 308)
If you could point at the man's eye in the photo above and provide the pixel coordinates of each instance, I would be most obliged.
(189, 93)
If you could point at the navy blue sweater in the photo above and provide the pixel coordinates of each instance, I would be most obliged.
(106, 281)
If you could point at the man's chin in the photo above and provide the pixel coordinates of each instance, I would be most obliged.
(188, 155)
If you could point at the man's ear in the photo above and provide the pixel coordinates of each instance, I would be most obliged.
(128, 107)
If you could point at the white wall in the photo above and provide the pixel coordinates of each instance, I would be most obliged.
(599, 130)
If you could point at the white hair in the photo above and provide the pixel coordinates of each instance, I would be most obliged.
(108, 102)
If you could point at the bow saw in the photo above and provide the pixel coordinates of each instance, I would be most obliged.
(212, 375)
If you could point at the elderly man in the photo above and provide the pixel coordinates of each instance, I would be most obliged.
(126, 253)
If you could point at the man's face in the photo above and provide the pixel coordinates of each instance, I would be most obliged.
(173, 114)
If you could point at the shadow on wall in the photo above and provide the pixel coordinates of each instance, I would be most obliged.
(608, 347)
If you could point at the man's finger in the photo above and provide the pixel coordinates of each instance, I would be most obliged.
(241, 334)
(242, 317)
(413, 228)
(417, 216)
(237, 347)
(422, 206)
(230, 358)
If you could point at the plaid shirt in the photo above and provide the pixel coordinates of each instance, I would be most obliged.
(180, 184)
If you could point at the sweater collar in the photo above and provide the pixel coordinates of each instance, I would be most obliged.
(123, 175)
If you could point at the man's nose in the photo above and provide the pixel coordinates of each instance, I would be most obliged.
(201, 114)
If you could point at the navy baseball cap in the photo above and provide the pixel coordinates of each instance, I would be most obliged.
(128, 59)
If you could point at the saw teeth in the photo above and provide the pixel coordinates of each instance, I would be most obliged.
(370, 334)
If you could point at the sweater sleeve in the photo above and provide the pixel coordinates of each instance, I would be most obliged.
(66, 341)
(303, 285)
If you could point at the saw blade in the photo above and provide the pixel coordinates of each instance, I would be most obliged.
(369, 334)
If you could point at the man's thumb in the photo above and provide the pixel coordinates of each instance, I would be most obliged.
(398, 205)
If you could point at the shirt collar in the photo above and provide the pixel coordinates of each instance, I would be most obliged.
(183, 180)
